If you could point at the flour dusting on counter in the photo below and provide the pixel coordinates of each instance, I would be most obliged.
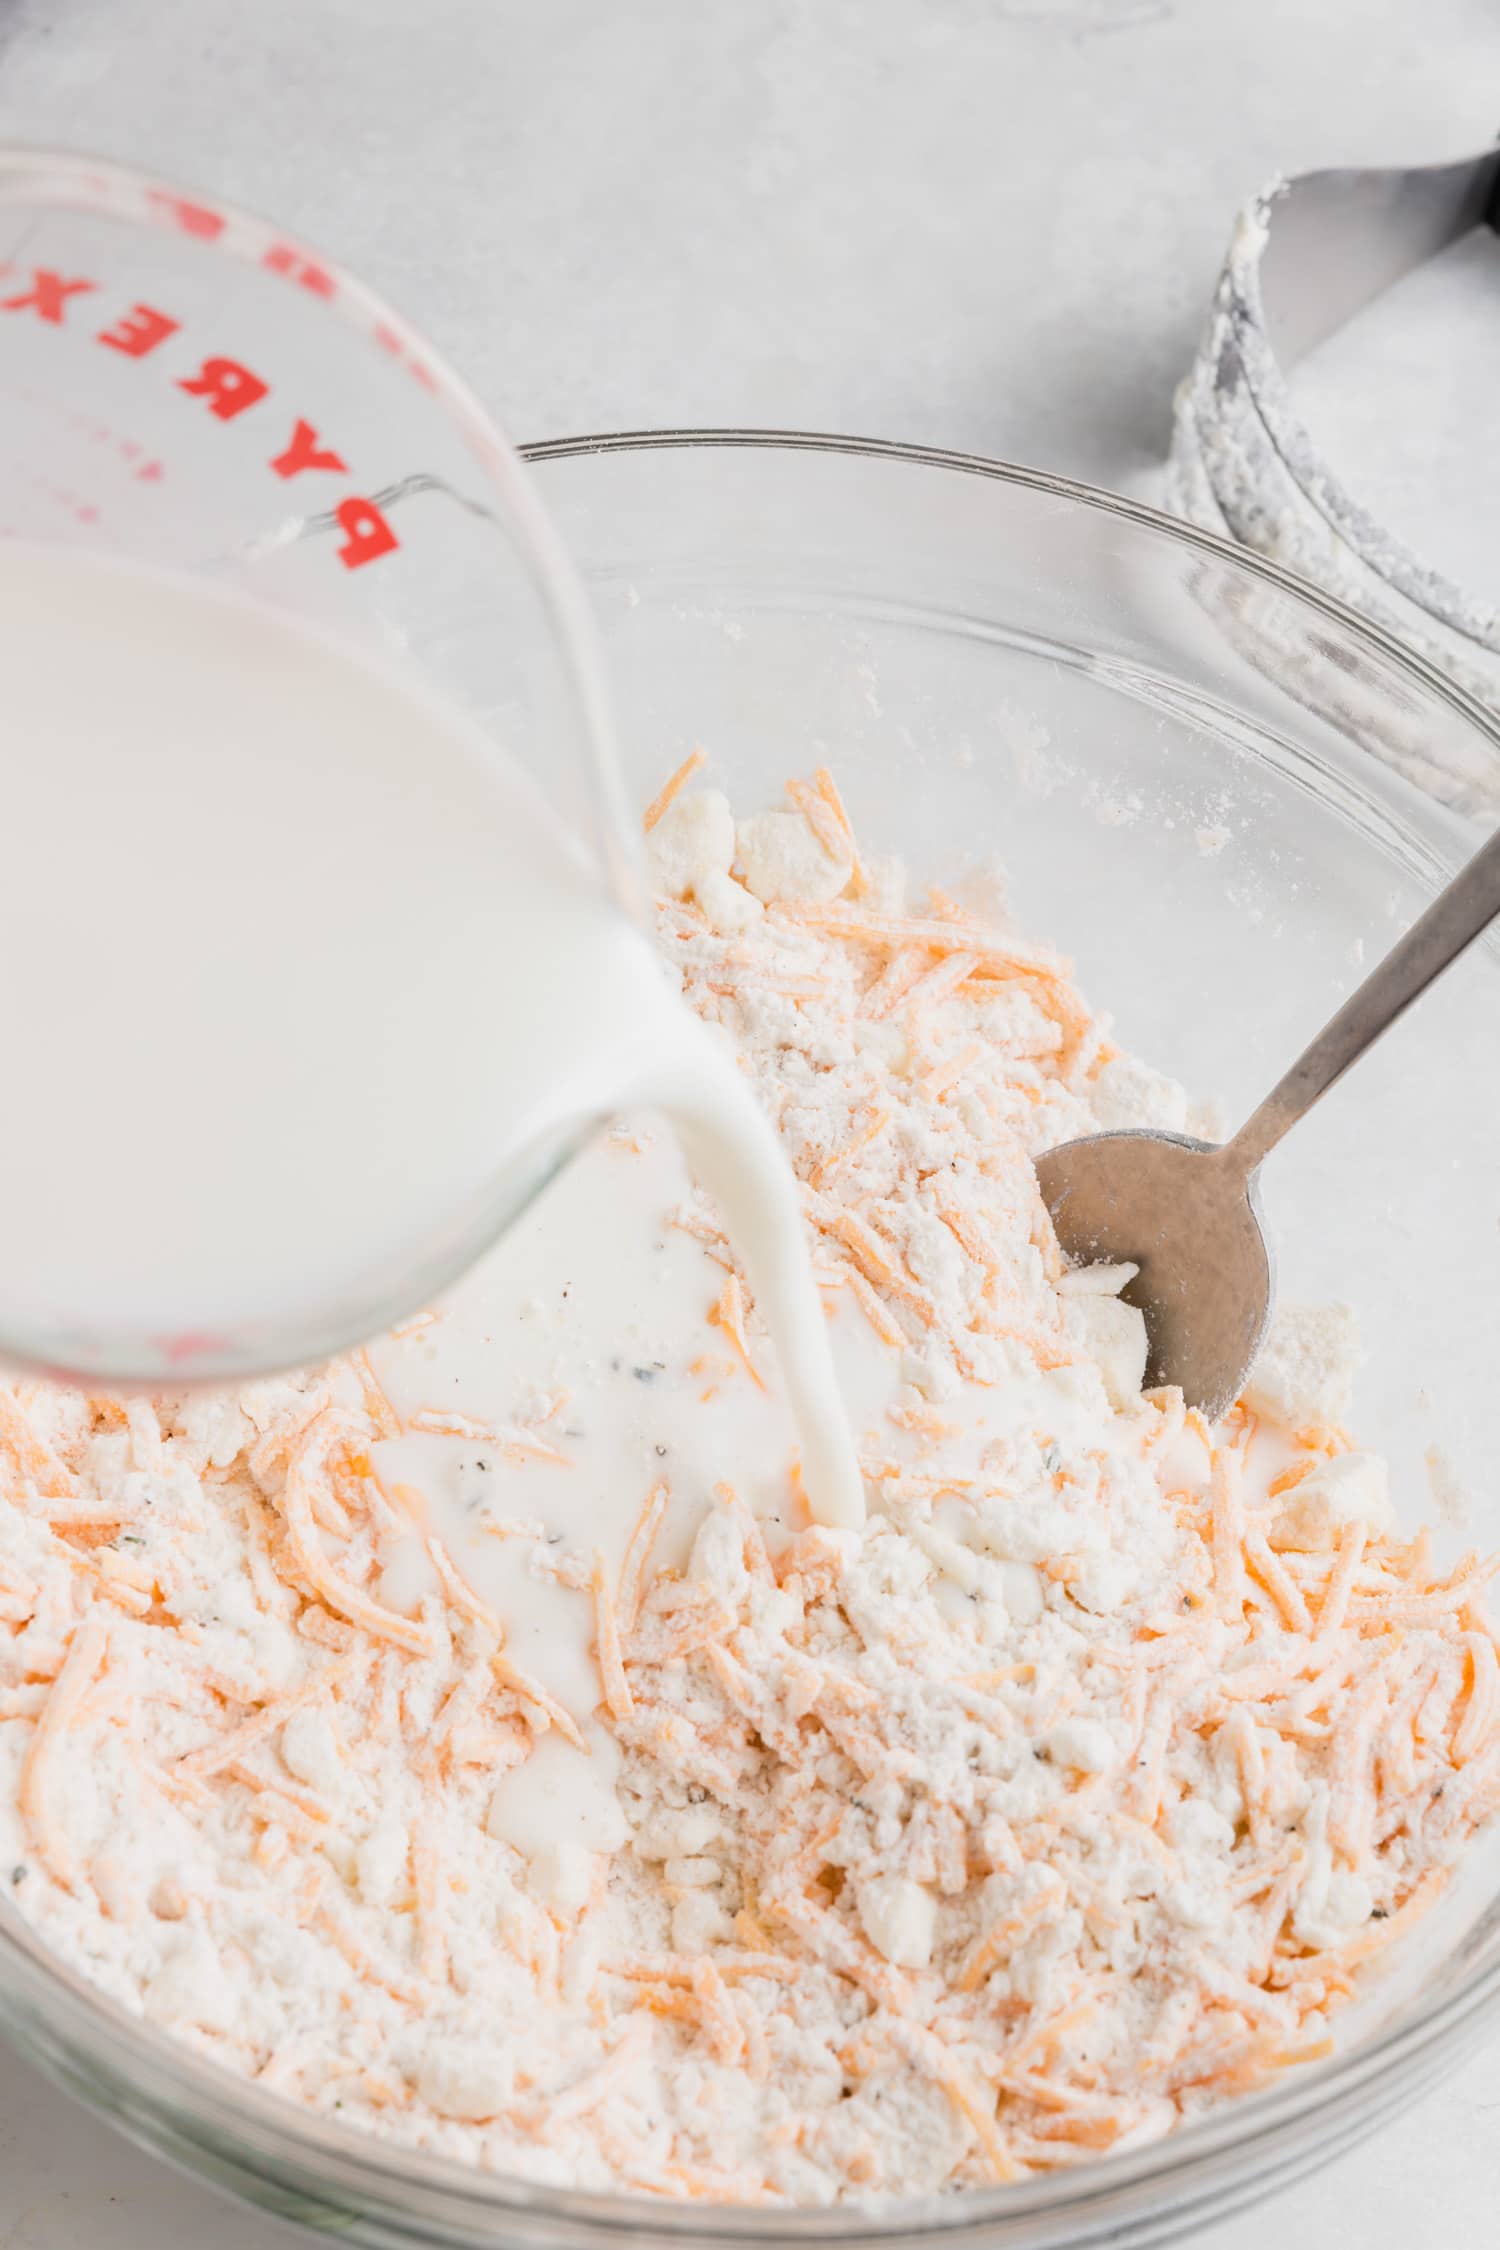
(476, 1739)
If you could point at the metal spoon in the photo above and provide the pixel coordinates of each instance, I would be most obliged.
(1188, 1213)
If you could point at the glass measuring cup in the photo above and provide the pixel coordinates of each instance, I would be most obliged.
(190, 389)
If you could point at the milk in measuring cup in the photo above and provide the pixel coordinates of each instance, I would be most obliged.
(295, 969)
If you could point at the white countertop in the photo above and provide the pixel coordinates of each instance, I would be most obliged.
(990, 224)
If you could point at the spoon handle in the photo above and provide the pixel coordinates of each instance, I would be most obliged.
(1455, 918)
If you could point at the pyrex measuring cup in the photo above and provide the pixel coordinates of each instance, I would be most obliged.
(185, 387)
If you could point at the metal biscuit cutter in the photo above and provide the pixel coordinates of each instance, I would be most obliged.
(1306, 256)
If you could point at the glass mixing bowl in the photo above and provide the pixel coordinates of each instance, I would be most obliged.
(1223, 795)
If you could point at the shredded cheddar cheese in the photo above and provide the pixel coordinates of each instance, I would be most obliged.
(1077, 1794)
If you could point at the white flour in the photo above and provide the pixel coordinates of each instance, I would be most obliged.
(1067, 1799)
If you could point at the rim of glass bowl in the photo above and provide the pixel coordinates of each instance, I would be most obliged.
(253, 2139)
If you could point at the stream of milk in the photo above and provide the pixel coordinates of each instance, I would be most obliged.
(297, 972)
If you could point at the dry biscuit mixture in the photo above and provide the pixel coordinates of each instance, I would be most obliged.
(1069, 1798)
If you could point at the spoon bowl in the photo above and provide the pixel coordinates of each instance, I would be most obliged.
(1188, 1217)
(1186, 1213)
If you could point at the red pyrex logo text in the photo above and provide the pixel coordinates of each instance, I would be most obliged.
(227, 389)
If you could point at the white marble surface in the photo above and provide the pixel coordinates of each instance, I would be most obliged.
(990, 224)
